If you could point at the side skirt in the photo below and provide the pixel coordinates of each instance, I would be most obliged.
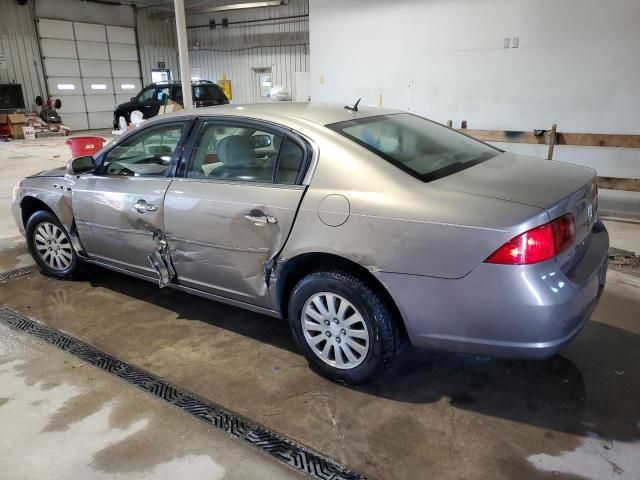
(208, 296)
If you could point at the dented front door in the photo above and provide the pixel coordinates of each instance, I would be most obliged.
(221, 234)
(119, 210)
(120, 219)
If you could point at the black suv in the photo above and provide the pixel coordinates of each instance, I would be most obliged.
(150, 98)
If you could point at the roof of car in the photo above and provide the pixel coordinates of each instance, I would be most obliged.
(178, 82)
(321, 113)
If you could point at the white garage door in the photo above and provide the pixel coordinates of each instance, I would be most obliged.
(90, 68)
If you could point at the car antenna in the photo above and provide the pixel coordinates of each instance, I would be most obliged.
(355, 106)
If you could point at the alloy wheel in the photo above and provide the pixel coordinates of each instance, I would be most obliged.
(53, 246)
(335, 330)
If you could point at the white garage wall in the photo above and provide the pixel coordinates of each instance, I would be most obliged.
(273, 37)
(157, 43)
(19, 56)
(577, 65)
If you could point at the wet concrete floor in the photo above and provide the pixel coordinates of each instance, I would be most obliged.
(433, 415)
(64, 419)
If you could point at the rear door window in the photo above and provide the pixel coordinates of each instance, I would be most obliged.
(290, 163)
(234, 152)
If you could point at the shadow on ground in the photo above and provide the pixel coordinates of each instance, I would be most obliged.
(592, 387)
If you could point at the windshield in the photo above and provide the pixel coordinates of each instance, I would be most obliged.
(418, 146)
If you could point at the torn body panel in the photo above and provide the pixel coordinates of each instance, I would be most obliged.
(160, 261)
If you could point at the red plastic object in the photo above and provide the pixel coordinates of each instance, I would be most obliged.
(81, 146)
(5, 130)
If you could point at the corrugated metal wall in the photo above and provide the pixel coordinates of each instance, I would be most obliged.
(157, 43)
(20, 62)
(276, 37)
(271, 37)
(282, 45)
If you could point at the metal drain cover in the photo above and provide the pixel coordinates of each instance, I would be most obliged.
(288, 451)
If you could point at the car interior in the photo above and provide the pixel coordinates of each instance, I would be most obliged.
(241, 153)
(222, 152)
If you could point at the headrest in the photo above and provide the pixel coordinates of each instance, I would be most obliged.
(234, 151)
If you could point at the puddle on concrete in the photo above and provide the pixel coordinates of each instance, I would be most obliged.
(73, 429)
(76, 422)
(594, 459)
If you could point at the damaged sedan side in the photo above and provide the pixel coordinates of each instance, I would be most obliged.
(364, 227)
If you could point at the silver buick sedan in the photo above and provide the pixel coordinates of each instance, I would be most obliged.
(364, 227)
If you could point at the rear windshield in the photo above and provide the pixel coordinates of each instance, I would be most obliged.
(203, 93)
(420, 147)
(206, 92)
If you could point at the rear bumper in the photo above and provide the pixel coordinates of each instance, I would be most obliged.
(527, 311)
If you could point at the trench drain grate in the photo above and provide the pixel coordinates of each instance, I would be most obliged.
(18, 272)
(296, 456)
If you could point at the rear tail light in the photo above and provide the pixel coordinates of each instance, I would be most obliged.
(538, 244)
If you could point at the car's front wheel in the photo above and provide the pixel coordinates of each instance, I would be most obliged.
(50, 246)
(345, 329)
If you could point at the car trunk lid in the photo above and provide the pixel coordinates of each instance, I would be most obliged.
(557, 187)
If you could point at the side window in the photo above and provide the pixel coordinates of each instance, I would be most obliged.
(146, 94)
(147, 154)
(291, 161)
(234, 152)
(162, 91)
(177, 92)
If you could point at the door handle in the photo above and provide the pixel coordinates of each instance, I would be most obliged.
(259, 218)
(141, 206)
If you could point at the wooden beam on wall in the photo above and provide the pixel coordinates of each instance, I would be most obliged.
(562, 138)
(506, 136)
(627, 184)
(599, 140)
(553, 139)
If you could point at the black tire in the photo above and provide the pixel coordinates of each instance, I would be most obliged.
(42, 217)
(383, 332)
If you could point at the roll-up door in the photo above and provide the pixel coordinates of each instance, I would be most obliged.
(90, 67)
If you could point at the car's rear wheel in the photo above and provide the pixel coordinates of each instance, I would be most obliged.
(343, 326)
(50, 246)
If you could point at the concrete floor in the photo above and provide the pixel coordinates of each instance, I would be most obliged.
(64, 419)
(433, 415)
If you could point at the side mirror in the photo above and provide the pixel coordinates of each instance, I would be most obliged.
(133, 100)
(79, 165)
(261, 141)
